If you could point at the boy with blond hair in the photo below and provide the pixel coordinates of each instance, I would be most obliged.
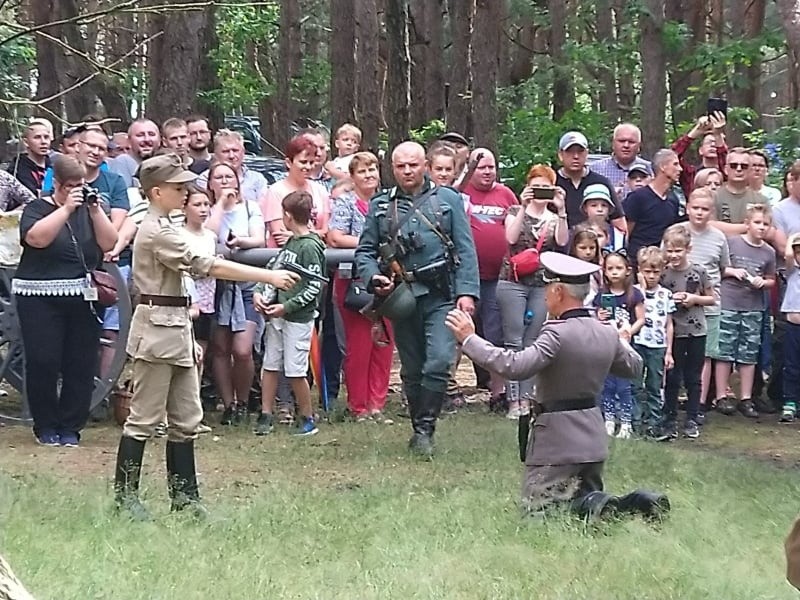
(654, 340)
(752, 270)
(347, 143)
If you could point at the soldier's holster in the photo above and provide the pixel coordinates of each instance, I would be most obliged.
(523, 433)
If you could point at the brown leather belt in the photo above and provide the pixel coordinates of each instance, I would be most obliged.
(155, 300)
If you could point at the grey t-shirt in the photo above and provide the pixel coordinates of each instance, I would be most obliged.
(710, 251)
(757, 261)
(687, 321)
(732, 208)
(126, 166)
(791, 298)
(786, 216)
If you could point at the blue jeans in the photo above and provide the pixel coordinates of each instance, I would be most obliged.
(617, 389)
(647, 409)
(791, 365)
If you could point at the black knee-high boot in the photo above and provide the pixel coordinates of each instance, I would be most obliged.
(423, 418)
(127, 475)
(182, 477)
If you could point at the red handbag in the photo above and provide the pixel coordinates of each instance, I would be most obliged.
(527, 262)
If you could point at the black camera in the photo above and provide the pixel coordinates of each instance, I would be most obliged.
(91, 196)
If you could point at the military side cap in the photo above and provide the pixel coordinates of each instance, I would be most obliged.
(566, 269)
(794, 240)
(454, 137)
(597, 191)
(163, 168)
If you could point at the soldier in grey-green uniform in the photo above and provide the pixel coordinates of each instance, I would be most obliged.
(417, 255)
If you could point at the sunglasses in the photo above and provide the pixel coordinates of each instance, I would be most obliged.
(738, 166)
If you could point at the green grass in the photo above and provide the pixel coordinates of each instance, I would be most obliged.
(348, 514)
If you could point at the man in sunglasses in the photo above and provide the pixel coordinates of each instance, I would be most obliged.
(735, 195)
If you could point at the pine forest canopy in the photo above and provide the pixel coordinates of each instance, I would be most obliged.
(512, 75)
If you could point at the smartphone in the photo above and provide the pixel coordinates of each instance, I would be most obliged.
(230, 236)
(717, 105)
(543, 193)
(608, 301)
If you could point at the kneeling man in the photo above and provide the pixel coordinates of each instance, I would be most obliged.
(568, 444)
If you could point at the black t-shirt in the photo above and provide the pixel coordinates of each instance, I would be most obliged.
(60, 259)
(199, 166)
(575, 196)
(651, 216)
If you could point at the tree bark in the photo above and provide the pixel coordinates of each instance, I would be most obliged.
(485, 57)
(627, 90)
(368, 81)
(174, 60)
(45, 11)
(289, 67)
(504, 44)
(747, 19)
(522, 53)
(790, 17)
(82, 100)
(418, 40)
(398, 82)
(563, 82)
(434, 66)
(342, 52)
(459, 107)
(693, 13)
(208, 79)
(654, 86)
(607, 98)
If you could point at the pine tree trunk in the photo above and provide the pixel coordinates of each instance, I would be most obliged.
(485, 47)
(627, 90)
(10, 587)
(342, 50)
(368, 81)
(398, 82)
(563, 83)
(208, 79)
(45, 11)
(434, 67)
(607, 98)
(693, 14)
(459, 107)
(418, 40)
(289, 66)
(790, 17)
(174, 63)
(654, 86)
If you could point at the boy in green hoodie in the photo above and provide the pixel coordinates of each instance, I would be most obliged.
(290, 317)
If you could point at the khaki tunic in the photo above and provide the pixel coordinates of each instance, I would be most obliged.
(160, 340)
(570, 359)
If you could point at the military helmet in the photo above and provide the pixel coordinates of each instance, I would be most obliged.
(400, 304)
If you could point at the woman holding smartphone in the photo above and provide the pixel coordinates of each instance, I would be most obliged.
(538, 224)
(239, 225)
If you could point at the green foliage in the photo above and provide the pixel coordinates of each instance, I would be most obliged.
(17, 62)
(428, 133)
(782, 143)
(530, 136)
(243, 31)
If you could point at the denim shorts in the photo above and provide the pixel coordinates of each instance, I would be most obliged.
(740, 336)
(111, 315)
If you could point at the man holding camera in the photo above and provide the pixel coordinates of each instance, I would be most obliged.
(417, 255)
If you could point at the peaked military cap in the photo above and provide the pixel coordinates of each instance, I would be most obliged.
(566, 269)
(163, 168)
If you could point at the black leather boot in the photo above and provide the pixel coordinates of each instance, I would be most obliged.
(649, 504)
(594, 505)
(126, 478)
(182, 478)
(425, 411)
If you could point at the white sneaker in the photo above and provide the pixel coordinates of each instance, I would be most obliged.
(611, 427)
(513, 410)
(624, 432)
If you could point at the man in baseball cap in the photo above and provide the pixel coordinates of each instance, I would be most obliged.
(573, 138)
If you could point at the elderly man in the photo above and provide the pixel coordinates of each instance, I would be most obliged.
(229, 148)
(568, 446)
(654, 207)
(416, 253)
(144, 139)
(625, 146)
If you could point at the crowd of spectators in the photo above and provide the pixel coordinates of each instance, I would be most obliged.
(697, 256)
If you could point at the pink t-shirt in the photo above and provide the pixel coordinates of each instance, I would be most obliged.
(272, 210)
(487, 215)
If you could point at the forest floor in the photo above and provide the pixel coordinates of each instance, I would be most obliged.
(349, 514)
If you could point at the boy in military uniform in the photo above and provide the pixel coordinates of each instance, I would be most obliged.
(565, 454)
(416, 253)
(164, 352)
